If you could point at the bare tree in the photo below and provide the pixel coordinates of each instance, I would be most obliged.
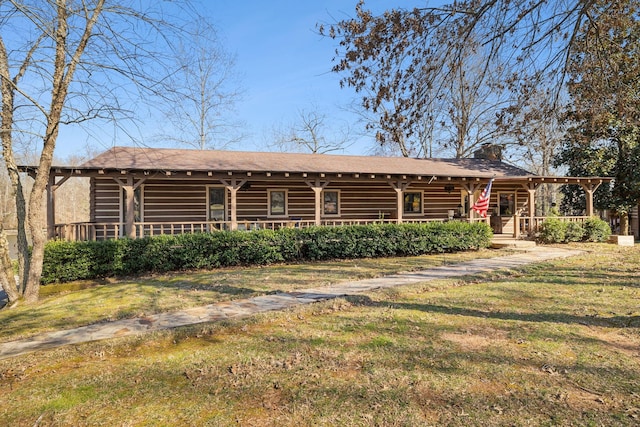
(7, 203)
(539, 132)
(411, 60)
(468, 107)
(309, 134)
(65, 62)
(202, 92)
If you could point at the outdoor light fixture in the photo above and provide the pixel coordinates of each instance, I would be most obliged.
(448, 188)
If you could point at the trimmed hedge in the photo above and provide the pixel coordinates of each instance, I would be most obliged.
(592, 230)
(596, 230)
(66, 261)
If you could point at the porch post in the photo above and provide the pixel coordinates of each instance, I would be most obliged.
(589, 188)
(317, 186)
(233, 188)
(130, 205)
(399, 204)
(130, 218)
(318, 205)
(531, 190)
(51, 207)
(400, 186)
(471, 188)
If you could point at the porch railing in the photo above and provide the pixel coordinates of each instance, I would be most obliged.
(87, 231)
(531, 225)
(110, 230)
(524, 226)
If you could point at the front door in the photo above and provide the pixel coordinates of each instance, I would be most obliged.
(506, 212)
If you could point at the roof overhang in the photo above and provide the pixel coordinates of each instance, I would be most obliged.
(88, 172)
(215, 164)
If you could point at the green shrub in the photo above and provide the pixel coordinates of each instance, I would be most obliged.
(596, 230)
(556, 231)
(574, 232)
(69, 261)
(66, 261)
(552, 230)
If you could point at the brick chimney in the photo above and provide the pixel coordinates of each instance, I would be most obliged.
(488, 151)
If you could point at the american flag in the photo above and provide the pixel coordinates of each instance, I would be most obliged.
(482, 205)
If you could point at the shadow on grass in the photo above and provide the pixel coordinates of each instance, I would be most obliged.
(564, 318)
(427, 353)
(623, 274)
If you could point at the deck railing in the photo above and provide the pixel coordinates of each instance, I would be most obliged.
(110, 230)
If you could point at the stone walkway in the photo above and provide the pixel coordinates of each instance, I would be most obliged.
(247, 307)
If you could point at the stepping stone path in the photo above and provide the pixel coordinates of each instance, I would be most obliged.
(247, 307)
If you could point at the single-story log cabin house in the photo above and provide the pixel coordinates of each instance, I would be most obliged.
(137, 192)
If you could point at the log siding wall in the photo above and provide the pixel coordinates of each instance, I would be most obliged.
(178, 200)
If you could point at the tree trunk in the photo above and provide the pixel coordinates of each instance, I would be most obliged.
(62, 76)
(7, 280)
(7, 274)
(36, 198)
(402, 144)
(624, 223)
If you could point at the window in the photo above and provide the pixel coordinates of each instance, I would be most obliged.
(217, 202)
(463, 207)
(331, 202)
(277, 202)
(413, 202)
(506, 204)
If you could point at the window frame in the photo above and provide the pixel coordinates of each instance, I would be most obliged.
(412, 212)
(514, 203)
(464, 202)
(338, 196)
(270, 213)
(226, 203)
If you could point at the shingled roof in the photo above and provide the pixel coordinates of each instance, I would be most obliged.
(158, 159)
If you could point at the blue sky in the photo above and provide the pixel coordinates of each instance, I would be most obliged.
(283, 66)
(283, 63)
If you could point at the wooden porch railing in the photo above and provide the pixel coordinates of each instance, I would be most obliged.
(110, 230)
(87, 231)
(104, 230)
(531, 225)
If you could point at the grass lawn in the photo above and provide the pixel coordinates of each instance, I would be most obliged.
(552, 344)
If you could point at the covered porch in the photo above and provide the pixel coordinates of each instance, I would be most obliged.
(148, 192)
(511, 211)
